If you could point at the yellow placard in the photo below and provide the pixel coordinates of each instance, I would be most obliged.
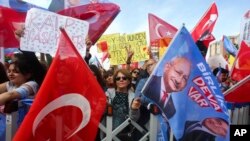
(109, 38)
(118, 45)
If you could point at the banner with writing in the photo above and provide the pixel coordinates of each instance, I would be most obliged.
(119, 44)
(42, 32)
(187, 92)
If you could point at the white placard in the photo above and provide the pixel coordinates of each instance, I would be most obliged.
(42, 32)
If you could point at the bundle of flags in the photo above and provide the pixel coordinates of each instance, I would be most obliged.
(160, 30)
(99, 15)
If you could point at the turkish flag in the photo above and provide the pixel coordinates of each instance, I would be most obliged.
(159, 29)
(206, 24)
(10, 20)
(99, 16)
(241, 66)
(239, 92)
(70, 101)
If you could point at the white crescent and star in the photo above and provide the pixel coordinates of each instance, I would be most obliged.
(168, 33)
(211, 20)
(94, 18)
(71, 99)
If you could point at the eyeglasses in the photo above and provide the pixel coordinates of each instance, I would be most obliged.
(121, 78)
(136, 72)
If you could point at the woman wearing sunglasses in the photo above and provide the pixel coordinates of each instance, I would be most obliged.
(122, 98)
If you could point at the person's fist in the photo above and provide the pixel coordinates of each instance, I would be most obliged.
(154, 109)
(136, 103)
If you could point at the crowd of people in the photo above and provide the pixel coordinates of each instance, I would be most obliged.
(24, 73)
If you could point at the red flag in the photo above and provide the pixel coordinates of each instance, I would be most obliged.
(10, 20)
(159, 29)
(207, 39)
(241, 66)
(69, 103)
(206, 24)
(239, 92)
(103, 46)
(99, 16)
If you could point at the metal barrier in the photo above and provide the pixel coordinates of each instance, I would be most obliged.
(12, 116)
(150, 135)
(238, 115)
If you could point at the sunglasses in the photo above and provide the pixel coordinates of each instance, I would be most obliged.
(121, 78)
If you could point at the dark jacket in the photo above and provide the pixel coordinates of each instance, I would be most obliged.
(196, 135)
(153, 93)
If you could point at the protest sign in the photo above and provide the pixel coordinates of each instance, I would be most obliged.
(119, 44)
(42, 32)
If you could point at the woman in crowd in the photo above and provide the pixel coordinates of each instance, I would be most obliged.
(25, 75)
(108, 78)
(122, 98)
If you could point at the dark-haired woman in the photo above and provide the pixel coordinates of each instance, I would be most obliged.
(25, 75)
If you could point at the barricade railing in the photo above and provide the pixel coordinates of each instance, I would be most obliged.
(12, 116)
(239, 115)
(150, 134)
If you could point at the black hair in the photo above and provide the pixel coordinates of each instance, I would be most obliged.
(3, 74)
(27, 62)
(108, 73)
(222, 70)
(98, 75)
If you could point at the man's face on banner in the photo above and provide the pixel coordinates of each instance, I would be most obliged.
(216, 125)
(176, 74)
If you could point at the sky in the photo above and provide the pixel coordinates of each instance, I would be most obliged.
(133, 16)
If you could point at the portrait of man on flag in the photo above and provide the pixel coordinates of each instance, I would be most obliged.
(174, 79)
(186, 91)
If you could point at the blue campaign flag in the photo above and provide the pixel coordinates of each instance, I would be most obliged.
(163, 132)
(25, 5)
(228, 45)
(17, 5)
(187, 92)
